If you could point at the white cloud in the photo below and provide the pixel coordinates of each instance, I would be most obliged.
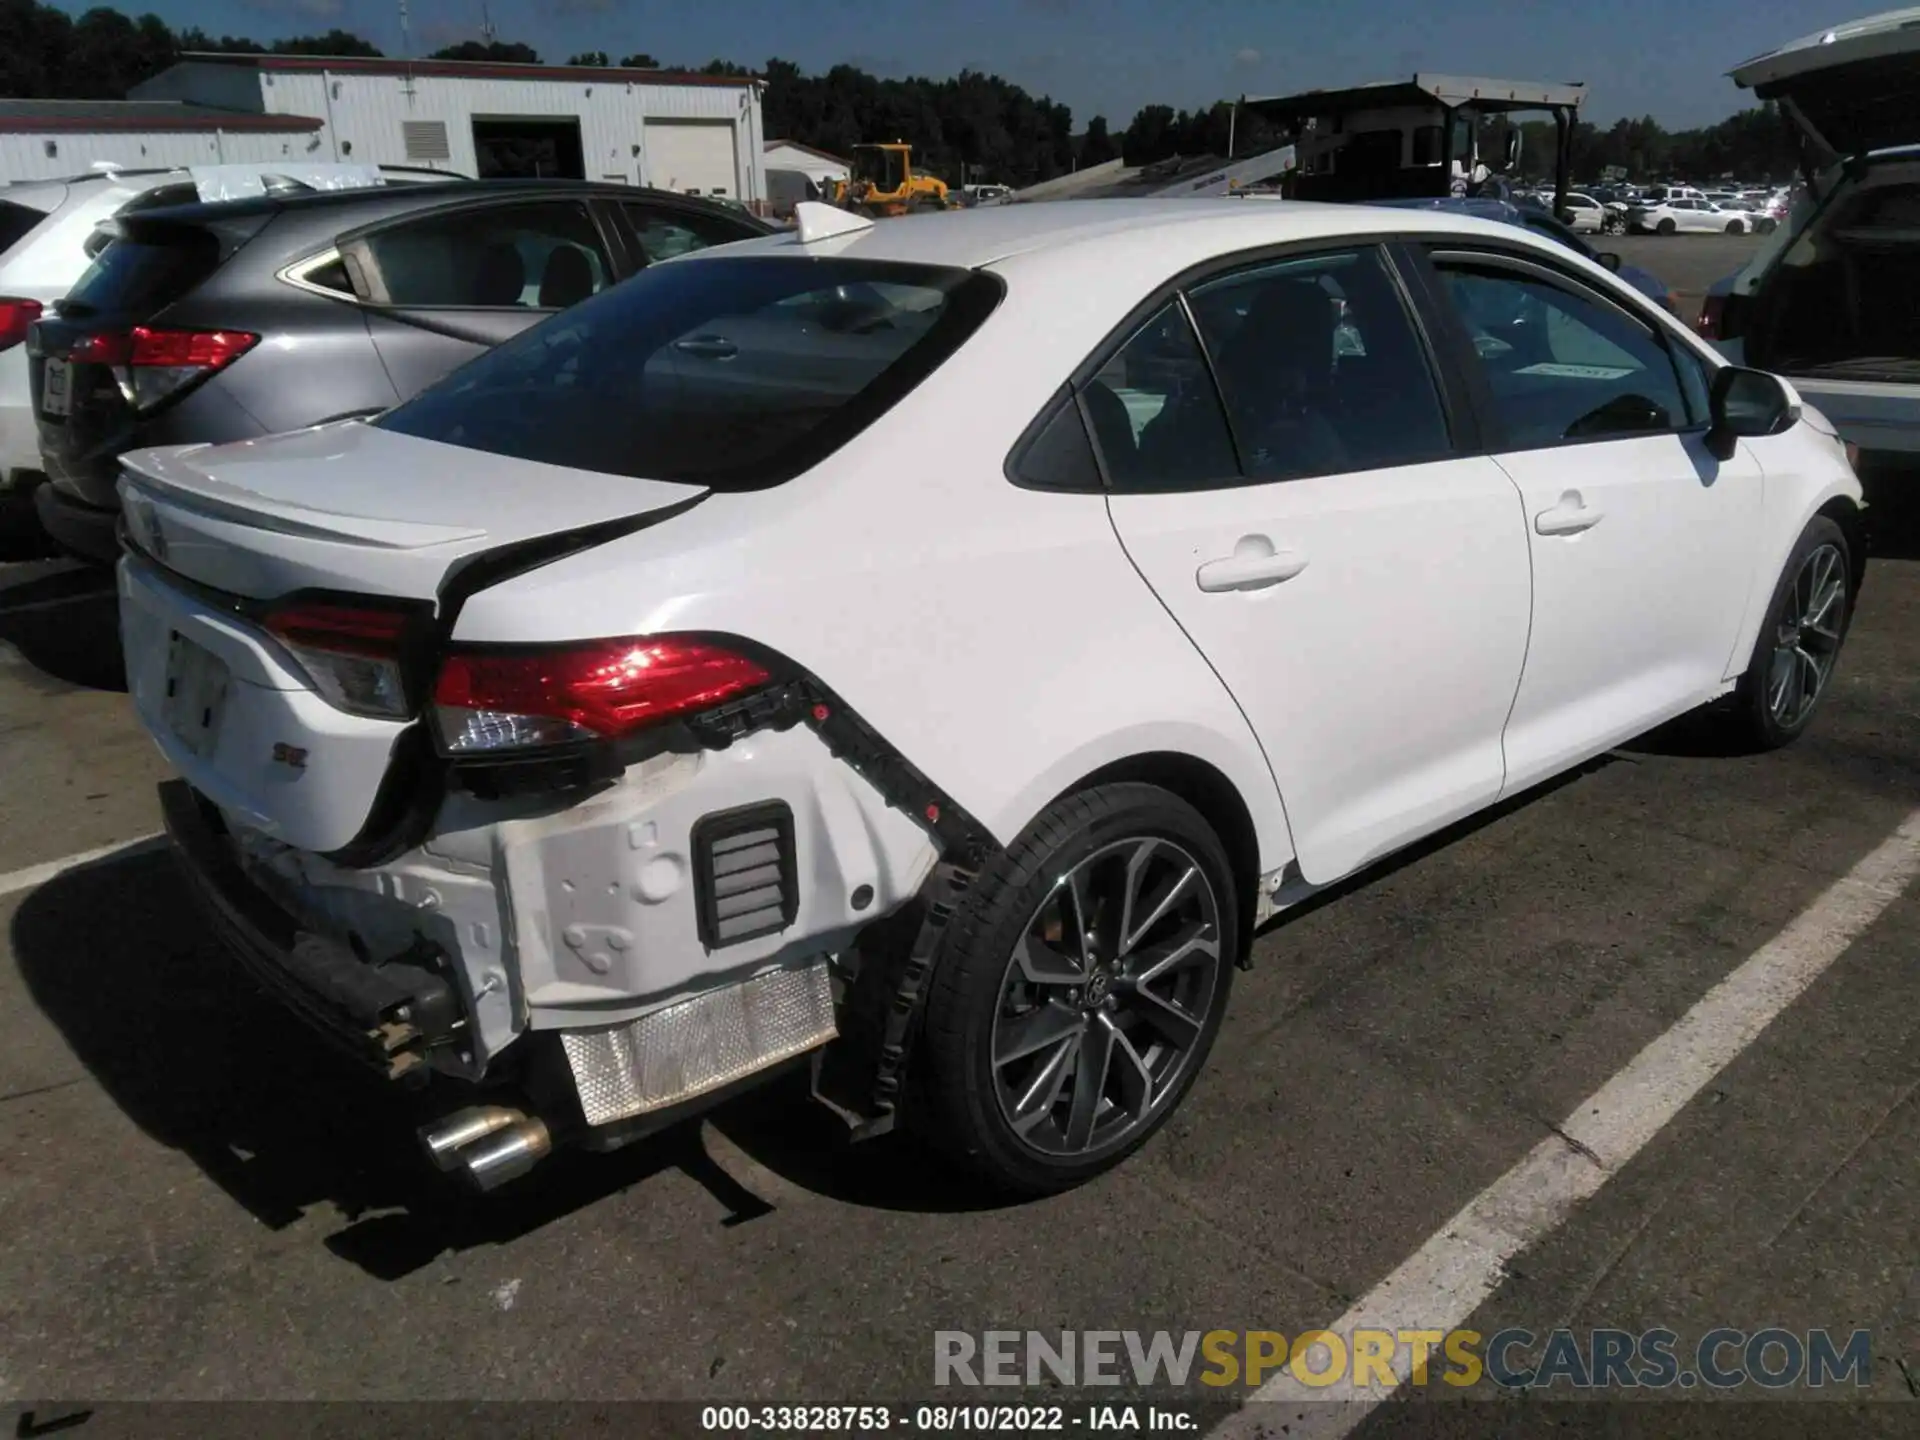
(1246, 56)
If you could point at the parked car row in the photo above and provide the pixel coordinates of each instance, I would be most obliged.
(1665, 209)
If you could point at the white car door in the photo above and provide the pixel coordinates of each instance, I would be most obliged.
(1358, 581)
(1643, 542)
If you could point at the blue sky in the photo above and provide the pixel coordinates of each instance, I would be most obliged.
(1667, 58)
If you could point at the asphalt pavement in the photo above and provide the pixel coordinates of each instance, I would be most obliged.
(199, 1203)
(1688, 263)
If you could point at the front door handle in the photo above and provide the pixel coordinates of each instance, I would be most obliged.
(1254, 565)
(1571, 516)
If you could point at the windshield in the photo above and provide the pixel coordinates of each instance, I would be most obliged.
(883, 169)
(731, 373)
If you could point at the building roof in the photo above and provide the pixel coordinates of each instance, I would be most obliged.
(807, 150)
(463, 69)
(36, 117)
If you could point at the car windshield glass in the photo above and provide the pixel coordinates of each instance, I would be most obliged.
(732, 373)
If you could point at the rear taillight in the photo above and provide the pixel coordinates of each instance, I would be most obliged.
(16, 317)
(353, 654)
(492, 700)
(1713, 311)
(152, 364)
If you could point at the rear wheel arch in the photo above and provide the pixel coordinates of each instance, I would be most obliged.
(1208, 791)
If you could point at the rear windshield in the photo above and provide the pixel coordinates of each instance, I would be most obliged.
(734, 373)
(16, 220)
(142, 275)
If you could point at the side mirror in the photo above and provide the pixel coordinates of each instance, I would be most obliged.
(1748, 403)
(1608, 260)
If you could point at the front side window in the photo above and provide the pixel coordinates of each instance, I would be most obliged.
(1561, 364)
(735, 373)
(1320, 366)
(544, 255)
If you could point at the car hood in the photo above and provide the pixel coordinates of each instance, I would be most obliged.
(1851, 89)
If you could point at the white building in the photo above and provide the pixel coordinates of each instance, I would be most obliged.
(695, 134)
(50, 139)
(817, 165)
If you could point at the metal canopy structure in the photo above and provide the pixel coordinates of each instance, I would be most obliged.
(1449, 97)
(1453, 91)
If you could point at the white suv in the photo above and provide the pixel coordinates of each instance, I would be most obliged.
(1833, 300)
(50, 232)
(650, 704)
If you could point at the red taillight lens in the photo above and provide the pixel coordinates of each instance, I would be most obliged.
(491, 700)
(1712, 309)
(16, 316)
(351, 653)
(197, 349)
(152, 364)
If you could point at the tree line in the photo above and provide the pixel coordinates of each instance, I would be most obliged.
(970, 126)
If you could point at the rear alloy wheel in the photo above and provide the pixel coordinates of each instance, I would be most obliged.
(1665, 227)
(1799, 643)
(1080, 990)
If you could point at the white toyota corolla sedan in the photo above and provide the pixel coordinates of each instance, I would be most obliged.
(924, 652)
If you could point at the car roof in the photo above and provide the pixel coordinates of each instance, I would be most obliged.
(405, 196)
(1189, 231)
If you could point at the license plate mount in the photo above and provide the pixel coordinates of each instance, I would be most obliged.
(196, 693)
(56, 387)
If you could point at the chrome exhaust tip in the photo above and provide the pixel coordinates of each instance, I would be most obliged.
(507, 1153)
(446, 1138)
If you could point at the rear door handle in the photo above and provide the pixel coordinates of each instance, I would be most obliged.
(1569, 517)
(1254, 565)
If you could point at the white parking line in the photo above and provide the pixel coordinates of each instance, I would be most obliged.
(1448, 1278)
(36, 875)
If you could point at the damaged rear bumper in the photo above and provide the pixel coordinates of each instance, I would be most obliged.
(386, 1017)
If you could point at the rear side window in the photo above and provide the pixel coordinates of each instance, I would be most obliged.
(144, 272)
(664, 234)
(15, 221)
(541, 256)
(731, 373)
(1156, 415)
(1321, 368)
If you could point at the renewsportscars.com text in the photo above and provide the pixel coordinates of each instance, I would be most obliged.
(1602, 1359)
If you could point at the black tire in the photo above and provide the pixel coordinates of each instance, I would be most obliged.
(1736, 227)
(1754, 721)
(962, 1097)
(1765, 226)
(1665, 227)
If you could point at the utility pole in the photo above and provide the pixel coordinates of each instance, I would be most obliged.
(486, 24)
(406, 44)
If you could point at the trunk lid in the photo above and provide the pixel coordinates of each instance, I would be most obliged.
(351, 507)
(338, 512)
(1851, 89)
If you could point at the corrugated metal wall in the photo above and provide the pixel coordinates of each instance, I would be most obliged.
(26, 157)
(367, 113)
